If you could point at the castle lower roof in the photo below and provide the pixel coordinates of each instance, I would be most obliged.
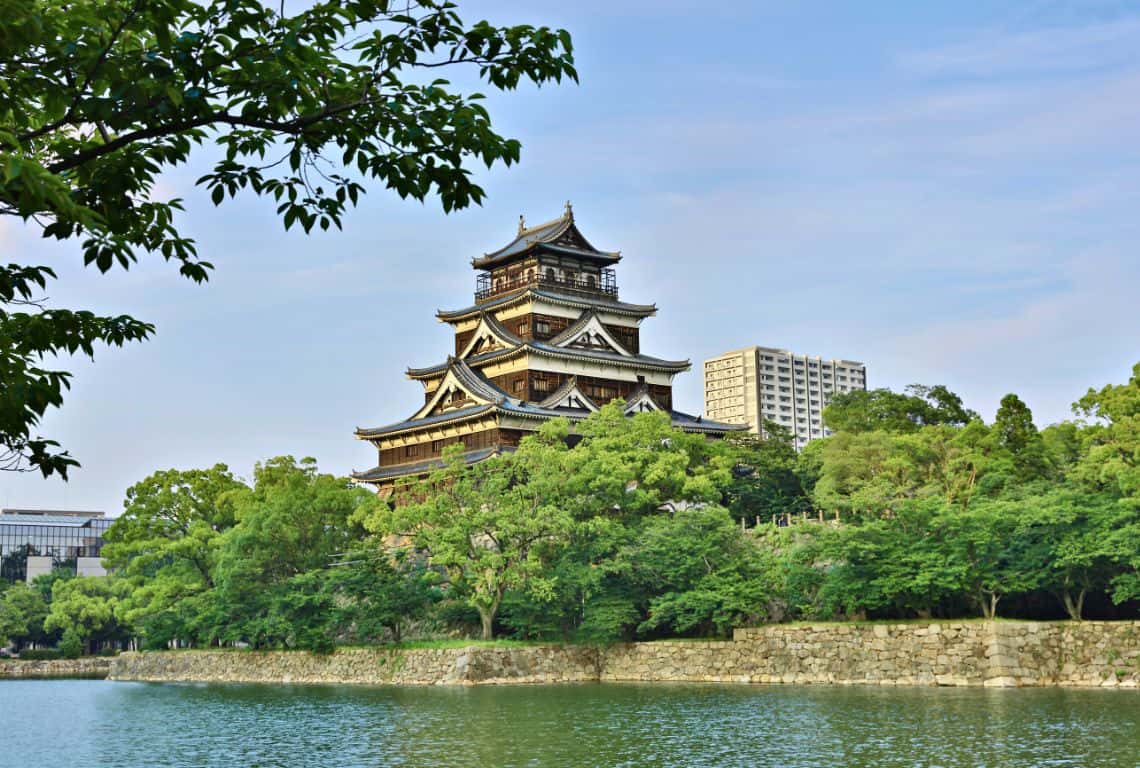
(542, 349)
(599, 303)
(377, 474)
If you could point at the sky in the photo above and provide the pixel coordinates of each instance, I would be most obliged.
(945, 191)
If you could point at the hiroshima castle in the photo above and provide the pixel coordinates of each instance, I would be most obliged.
(547, 337)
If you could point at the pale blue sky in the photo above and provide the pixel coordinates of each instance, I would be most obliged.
(947, 192)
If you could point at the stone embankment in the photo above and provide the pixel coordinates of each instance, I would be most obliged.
(992, 654)
(12, 669)
(368, 666)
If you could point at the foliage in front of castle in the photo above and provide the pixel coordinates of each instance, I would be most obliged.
(915, 508)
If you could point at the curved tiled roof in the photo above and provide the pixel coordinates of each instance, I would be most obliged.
(475, 382)
(547, 350)
(410, 425)
(432, 371)
(377, 474)
(544, 235)
(616, 358)
(599, 303)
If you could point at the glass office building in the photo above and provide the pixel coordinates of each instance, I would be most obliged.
(34, 542)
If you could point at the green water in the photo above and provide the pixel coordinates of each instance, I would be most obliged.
(59, 723)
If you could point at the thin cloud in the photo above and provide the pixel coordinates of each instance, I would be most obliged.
(1040, 51)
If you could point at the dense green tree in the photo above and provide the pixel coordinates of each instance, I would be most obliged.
(166, 544)
(996, 560)
(377, 593)
(1076, 530)
(1111, 464)
(882, 409)
(764, 482)
(1015, 432)
(899, 565)
(99, 97)
(22, 613)
(702, 571)
(88, 607)
(293, 521)
(492, 526)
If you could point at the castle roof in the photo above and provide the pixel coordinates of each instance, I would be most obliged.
(600, 303)
(376, 474)
(544, 349)
(559, 236)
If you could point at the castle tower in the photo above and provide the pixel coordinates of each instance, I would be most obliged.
(546, 337)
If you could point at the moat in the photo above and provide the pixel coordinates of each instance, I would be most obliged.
(84, 722)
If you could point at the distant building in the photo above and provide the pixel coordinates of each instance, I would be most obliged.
(758, 384)
(37, 541)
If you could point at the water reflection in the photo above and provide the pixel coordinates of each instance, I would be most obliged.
(54, 723)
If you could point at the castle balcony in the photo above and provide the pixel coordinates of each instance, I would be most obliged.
(604, 284)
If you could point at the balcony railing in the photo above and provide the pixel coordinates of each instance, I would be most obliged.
(605, 285)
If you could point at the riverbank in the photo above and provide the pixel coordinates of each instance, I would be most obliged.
(962, 654)
(18, 669)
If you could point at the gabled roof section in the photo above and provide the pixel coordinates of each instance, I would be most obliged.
(492, 331)
(544, 349)
(413, 424)
(460, 378)
(587, 332)
(626, 360)
(599, 303)
(569, 396)
(561, 234)
(474, 361)
(640, 401)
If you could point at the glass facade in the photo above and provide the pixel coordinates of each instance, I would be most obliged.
(62, 536)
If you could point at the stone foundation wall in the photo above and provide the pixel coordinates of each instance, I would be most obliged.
(455, 666)
(16, 669)
(994, 654)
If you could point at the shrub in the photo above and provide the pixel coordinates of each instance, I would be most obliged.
(71, 646)
(43, 654)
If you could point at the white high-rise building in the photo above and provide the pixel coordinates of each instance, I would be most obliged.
(757, 384)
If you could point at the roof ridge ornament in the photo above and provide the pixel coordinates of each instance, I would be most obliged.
(522, 224)
(569, 211)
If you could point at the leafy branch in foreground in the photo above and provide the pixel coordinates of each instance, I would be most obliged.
(99, 97)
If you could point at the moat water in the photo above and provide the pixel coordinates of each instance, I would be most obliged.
(54, 723)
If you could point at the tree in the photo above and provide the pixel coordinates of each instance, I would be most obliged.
(764, 480)
(86, 606)
(1015, 432)
(99, 97)
(1111, 464)
(491, 526)
(988, 545)
(1076, 529)
(702, 571)
(22, 613)
(374, 592)
(882, 409)
(165, 547)
(293, 522)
